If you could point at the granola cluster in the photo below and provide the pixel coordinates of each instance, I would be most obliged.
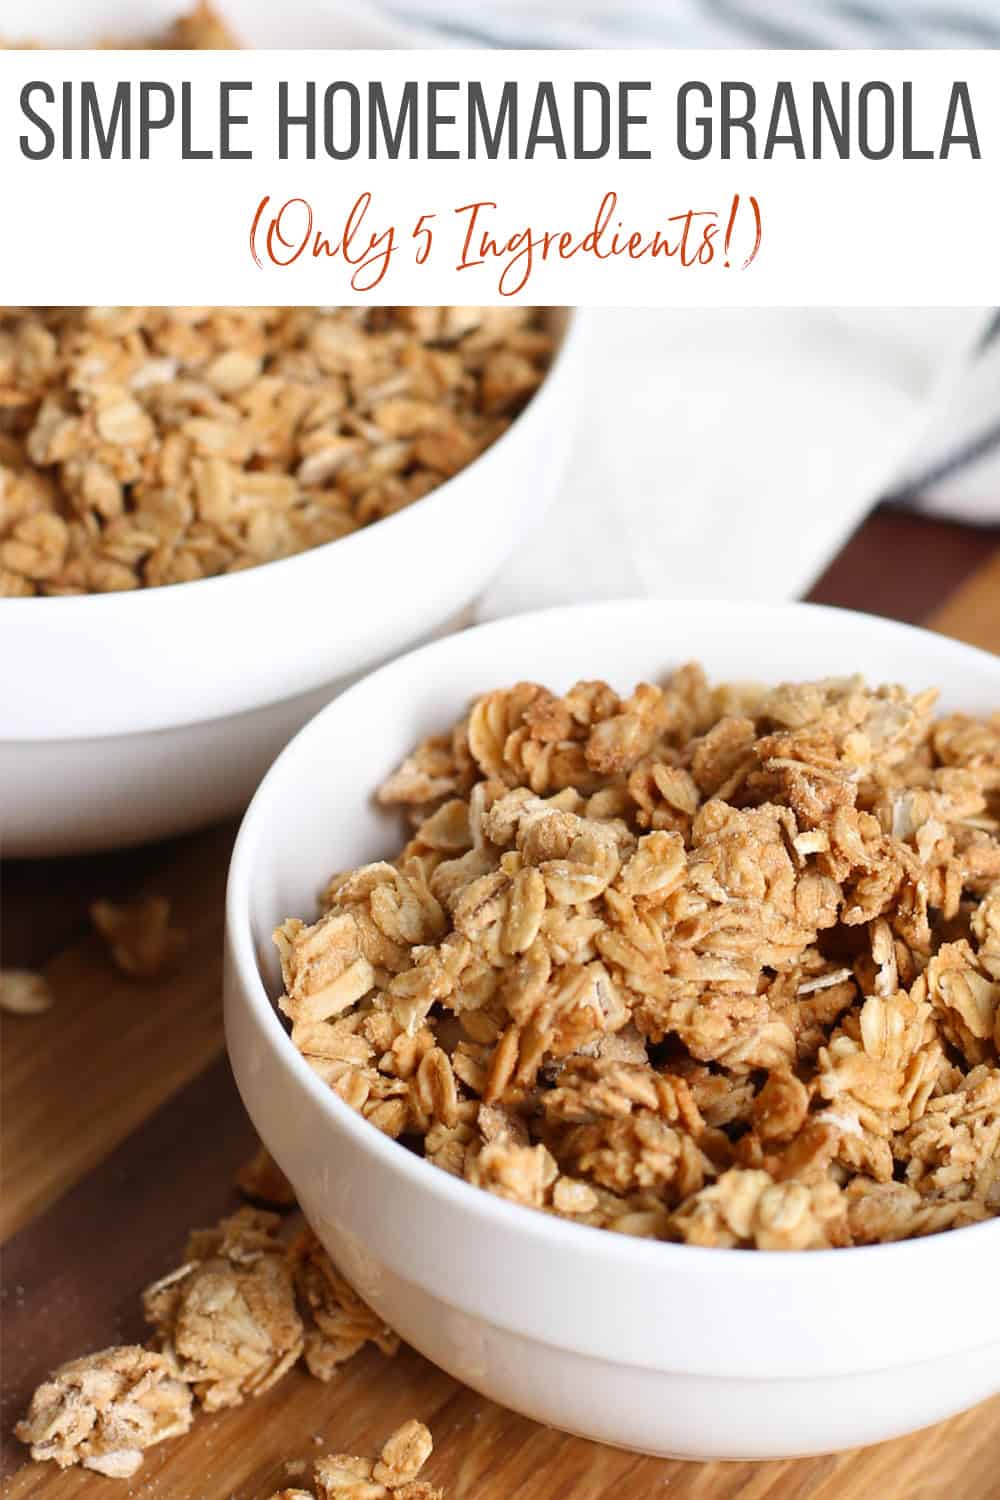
(391, 1476)
(227, 1317)
(711, 965)
(228, 1323)
(24, 993)
(341, 1323)
(139, 936)
(105, 1410)
(143, 446)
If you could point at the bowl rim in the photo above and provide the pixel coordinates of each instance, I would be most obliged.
(570, 339)
(548, 1230)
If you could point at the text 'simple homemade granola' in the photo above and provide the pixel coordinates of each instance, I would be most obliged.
(712, 965)
(142, 446)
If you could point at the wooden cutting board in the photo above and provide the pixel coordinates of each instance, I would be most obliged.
(122, 1130)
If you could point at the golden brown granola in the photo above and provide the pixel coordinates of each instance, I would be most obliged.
(201, 29)
(262, 1181)
(142, 446)
(139, 936)
(226, 1327)
(341, 1322)
(24, 993)
(714, 965)
(227, 1316)
(392, 1476)
(105, 1410)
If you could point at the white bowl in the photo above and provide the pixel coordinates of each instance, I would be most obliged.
(126, 717)
(668, 1349)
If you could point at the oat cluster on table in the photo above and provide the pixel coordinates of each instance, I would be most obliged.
(227, 1317)
(341, 1322)
(143, 446)
(262, 1181)
(391, 1476)
(140, 936)
(711, 965)
(23, 992)
(103, 1411)
(227, 1324)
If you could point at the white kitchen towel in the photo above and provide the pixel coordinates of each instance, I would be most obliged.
(730, 453)
(703, 23)
(734, 452)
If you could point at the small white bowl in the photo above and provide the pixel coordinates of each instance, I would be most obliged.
(668, 1349)
(127, 717)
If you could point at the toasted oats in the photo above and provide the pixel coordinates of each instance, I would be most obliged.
(342, 1476)
(227, 1315)
(749, 1209)
(148, 446)
(342, 1322)
(881, 1212)
(200, 28)
(404, 1454)
(105, 1410)
(262, 1181)
(227, 1327)
(780, 1109)
(24, 993)
(139, 936)
(711, 965)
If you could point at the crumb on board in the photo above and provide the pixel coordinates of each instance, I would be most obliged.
(262, 1181)
(24, 992)
(138, 934)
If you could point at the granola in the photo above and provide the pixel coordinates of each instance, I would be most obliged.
(201, 29)
(139, 936)
(341, 1322)
(717, 965)
(105, 1410)
(262, 1181)
(24, 993)
(142, 446)
(392, 1476)
(227, 1316)
(227, 1326)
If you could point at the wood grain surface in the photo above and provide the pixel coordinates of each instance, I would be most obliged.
(122, 1129)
